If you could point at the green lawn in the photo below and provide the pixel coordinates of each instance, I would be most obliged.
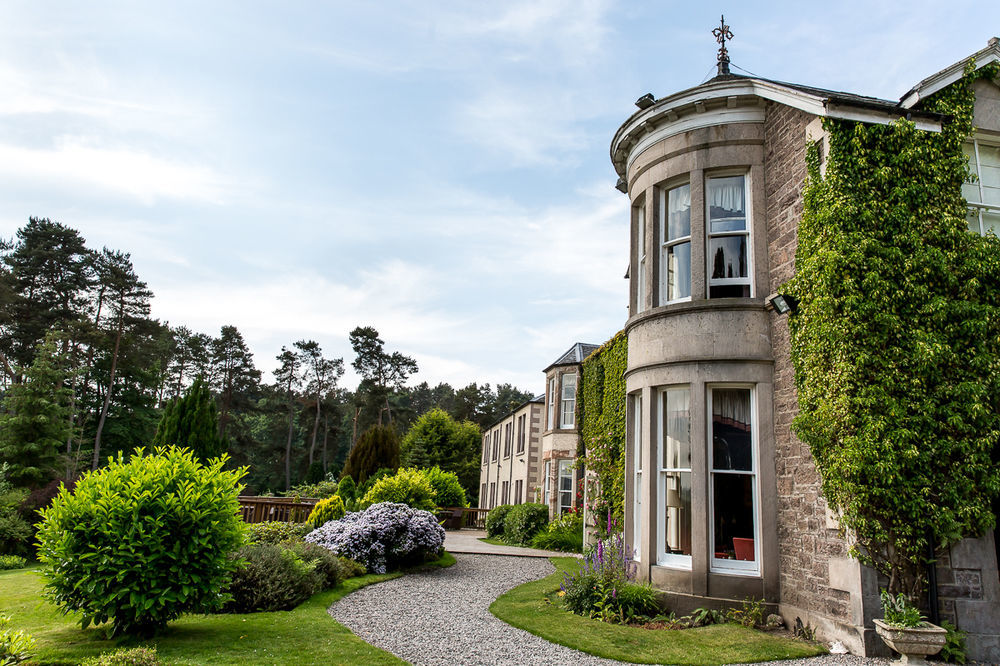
(306, 635)
(535, 607)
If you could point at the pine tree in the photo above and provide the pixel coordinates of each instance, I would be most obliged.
(35, 423)
(191, 421)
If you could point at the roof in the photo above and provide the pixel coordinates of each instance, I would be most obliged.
(736, 98)
(574, 355)
(539, 399)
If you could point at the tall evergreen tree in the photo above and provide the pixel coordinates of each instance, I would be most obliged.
(234, 374)
(289, 379)
(191, 421)
(323, 374)
(35, 424)
(381, 372)
(377, 447)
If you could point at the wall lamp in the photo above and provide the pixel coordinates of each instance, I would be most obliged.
(784, 303)
(622, 186)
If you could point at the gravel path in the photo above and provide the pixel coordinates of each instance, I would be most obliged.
(442, 617)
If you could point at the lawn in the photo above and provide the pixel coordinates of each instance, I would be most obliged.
(535, 607)
(305, 635)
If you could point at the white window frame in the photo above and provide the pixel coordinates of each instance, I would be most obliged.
(977, 208)
(725, 566)
(567, 405)
(547, 484)
(552, 404)
(636, 476)
(747, 199)
(565, 471)
(664, 558)
(666, 244)
(640, 292)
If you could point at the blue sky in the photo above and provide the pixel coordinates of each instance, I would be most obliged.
(438, 170)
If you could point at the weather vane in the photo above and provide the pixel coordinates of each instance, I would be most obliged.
(722, 33)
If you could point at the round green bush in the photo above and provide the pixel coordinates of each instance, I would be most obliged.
(523, 522)
(448, 491)
(408, 486)
(332, 508)
(347, 490)
(140, 542)
(496, 520)
(271, 578)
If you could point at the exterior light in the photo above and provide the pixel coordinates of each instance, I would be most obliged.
(622, 186)
(645, 101)
(784, 304)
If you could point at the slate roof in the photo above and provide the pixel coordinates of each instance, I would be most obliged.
(574, 355)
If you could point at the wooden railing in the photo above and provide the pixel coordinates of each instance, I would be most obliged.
(286, 509)
(475, 518)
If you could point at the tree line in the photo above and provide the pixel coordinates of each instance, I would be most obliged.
(86, 373)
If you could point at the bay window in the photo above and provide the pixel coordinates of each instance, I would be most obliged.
(733, 487)
(675, 249)
(728, 254)
(565, 486)
(568, 413)
(674, 484)
(983, 192)
(551, 417)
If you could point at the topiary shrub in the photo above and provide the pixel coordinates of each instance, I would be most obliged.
(496, 520)
(276, 531)
(408, 486)
(384, 537)
(448, 491)
(523, 522)
(140, 542)
(270, 578)
(137, 656)
(326, 510)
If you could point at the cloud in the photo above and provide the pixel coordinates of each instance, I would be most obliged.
(75, 162)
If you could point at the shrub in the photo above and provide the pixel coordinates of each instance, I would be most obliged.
(15, 646)
(605, 587)
(326, 510)
(407, 486)
(326, 564)
(270, 578)
(350, 568)
(138, 543)
(523, 522)
(11, 562)
(347, 490)
(564, 533)
(276, 531)
(365, 486)
(319, 490)
(953, 651)
(315, 473)
(750, 613)
(137, 656)
(383, 537)
(496, 520)
(448, 491)
(15, 532)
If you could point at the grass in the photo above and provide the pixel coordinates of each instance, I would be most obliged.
(535, 608)
(305, 635)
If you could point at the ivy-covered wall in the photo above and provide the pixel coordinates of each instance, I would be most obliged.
(895, 343)
(601, 415)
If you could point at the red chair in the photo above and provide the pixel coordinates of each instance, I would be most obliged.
(743, 548)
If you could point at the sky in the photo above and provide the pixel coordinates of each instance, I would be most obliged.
(437, 170)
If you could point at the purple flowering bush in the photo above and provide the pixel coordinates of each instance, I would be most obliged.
(605, 587)
(384, 537)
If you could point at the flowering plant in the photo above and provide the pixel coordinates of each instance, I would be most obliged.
(606, 587)
(383, 537)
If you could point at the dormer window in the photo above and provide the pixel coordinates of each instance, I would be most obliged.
(728, 225)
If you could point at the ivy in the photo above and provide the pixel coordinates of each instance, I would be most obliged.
(601, 415)
(894, 344)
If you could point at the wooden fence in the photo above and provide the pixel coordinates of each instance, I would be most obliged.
(263, 509)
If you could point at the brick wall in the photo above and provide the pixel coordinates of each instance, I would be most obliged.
(805, 542)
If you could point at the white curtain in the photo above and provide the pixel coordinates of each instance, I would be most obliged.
(726, 193)
(732, 406)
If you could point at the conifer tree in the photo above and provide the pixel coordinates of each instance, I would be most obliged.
(35, 423)
(191, 421)
(377, 448)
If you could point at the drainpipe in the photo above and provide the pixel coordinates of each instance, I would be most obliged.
(932, 592)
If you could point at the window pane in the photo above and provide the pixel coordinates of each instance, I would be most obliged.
(989, 173)
(728, 256)
(725, 199)
(732, 444)
(734, 529)
(973, 220)
(678, 265)
(677, 513)
(678, 212)
(677, 429)
(991, 222)
(970, 188)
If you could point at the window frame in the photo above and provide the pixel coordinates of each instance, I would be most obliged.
(521, 422)
(667, 243)
(663, 558)
(636, 446)
(747, 231)
(720, 565)
(565, 464)
(552, 404)
(979, 207)
(564, 402)
(547, 483)
(640, 257)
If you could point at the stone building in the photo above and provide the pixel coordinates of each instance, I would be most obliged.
(529, 455)
(722, 501)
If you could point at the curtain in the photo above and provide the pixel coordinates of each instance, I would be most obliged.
(727, 194)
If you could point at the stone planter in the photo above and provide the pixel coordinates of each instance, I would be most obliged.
(913, 644)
